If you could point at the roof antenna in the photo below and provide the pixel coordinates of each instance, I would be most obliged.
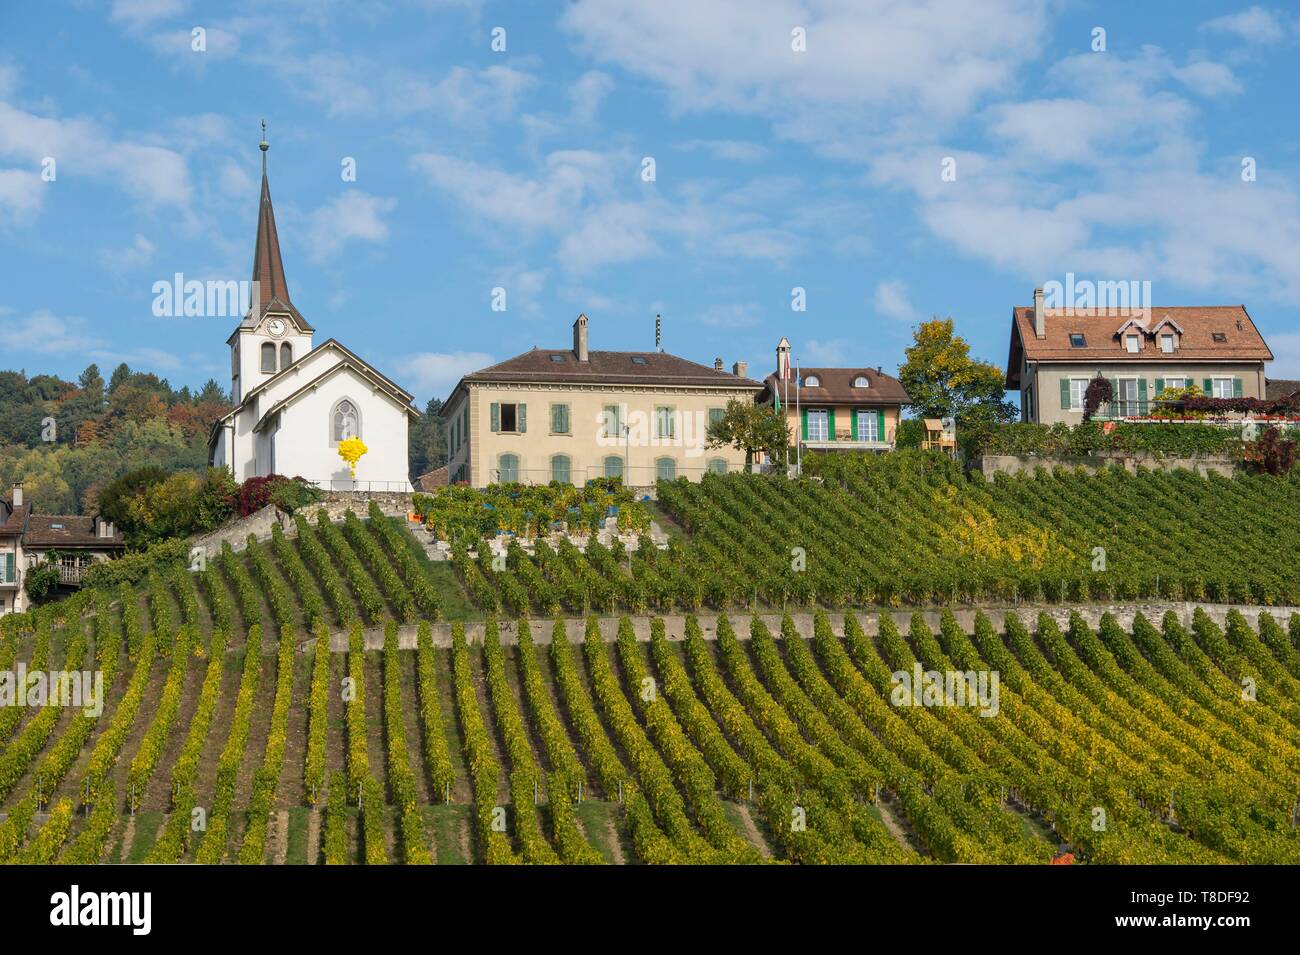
(264, 146)
(658, 333)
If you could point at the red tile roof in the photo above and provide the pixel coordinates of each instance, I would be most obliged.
(16, 519)
(836, 387)
(68, 530)
(1198, 325)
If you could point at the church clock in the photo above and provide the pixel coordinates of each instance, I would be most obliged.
(276, 327)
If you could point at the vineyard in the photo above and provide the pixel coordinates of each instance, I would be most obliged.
(303, 700)
(899, 530)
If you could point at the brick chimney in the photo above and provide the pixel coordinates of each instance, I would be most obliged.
(580, 338)
(740, 369)
(1040, 317)
(18, 495)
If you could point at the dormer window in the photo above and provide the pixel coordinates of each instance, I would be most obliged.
(638, 360)
(1133, 344)
(1078, 340)
(812, 381)
(1167, 343)
(1220, 336)
(558, 359)
(861, 382)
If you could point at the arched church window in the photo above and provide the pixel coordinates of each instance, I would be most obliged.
(286, 355)
(268, 358)
(345, 422)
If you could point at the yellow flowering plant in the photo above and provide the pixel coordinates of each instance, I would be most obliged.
(350, 450)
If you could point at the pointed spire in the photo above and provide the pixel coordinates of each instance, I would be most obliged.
(268, 267)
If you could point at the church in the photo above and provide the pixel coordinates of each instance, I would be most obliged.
(295, 401)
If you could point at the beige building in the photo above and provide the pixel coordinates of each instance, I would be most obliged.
(575, 414)
(835, 409)
(1055, 353)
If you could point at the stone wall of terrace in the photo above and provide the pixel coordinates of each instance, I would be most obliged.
(991, 464)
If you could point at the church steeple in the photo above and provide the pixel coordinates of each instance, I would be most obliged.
(268, 266)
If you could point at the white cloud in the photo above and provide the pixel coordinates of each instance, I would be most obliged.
(1286, 354)
(735, 315)
(587, 93)
(731, 150)
(353, 215)
(138, 253)
(140, 13)
(891, 300)
(1208, 78)
(434, 373)
(44, 333)
(1254, 25)
(153, 174)
(836, 353)
(21, 195)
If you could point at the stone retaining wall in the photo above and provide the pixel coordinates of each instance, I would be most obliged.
(991, 464)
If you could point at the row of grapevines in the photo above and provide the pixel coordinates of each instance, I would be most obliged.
(397, 544)
(250, 608)
(277, 594)
(373, 557)
(437, 758)
(317, 718)
(155, 738)
(401, 779)
(262, 801)
(369, 794)
(336, 592)
(313, 607)
(367, 594)
(336, 821)
(541, 712)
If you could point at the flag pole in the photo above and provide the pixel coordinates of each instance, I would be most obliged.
(798, 433)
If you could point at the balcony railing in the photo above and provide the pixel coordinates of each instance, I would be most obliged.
(844, 441)
(1163, 412)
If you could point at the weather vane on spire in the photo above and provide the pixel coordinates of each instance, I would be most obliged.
(264, 146)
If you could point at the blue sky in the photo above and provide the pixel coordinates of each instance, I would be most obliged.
(523, 169)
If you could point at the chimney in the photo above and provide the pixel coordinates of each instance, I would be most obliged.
(1040, 319)
(717, 364)
(740, 369)
(580, 338)
(18, 494)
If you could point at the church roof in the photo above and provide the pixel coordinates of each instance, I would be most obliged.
(268, 265)
(383, 386)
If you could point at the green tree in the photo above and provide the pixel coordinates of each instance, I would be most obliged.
(749, 427)
(428, 441)
(944, 381)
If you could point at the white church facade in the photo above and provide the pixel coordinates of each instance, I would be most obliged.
(295, 401)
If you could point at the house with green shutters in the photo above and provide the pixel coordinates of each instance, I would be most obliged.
(1055, 353)
(835, 409)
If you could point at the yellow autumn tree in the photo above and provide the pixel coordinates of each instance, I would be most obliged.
(350, 450)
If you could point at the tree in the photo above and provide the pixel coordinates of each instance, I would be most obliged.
(428, 442)
(944, 381)
(749, 427)
(120, 374)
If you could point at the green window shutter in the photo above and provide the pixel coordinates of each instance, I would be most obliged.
(830, 423)
(853, 424)
(496, 416)
(1160, 386)
(1236, 387)
(880, 424)
(1142, 389)
(1065, 394)
(805, 424)
(1209, 386)
(9, 568)
(522, 414)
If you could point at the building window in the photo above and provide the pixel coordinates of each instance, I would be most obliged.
(861, 382)
(286, 355)
(812, 381)
(1222, 388)
(665, 422)
(509, 417)
(1078, 340)
(613, 466)
(345, 422)
(1133, 344)
(1078, 387)
(559, 419)
(1127, 403)
(560, 469)
(665, 469)
(1178, 384)
(717, 466)
(613, 424)
(1167, 344)
(716, 415)
(818, 425)
(268, 358)
(868, 426)
(508, 468)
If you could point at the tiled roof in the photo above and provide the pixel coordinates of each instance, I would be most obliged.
(16, 519)
(67, 530)
(836, 387)
(431, 480)
(1199, 325)
(1275, 388)
(547, 366)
